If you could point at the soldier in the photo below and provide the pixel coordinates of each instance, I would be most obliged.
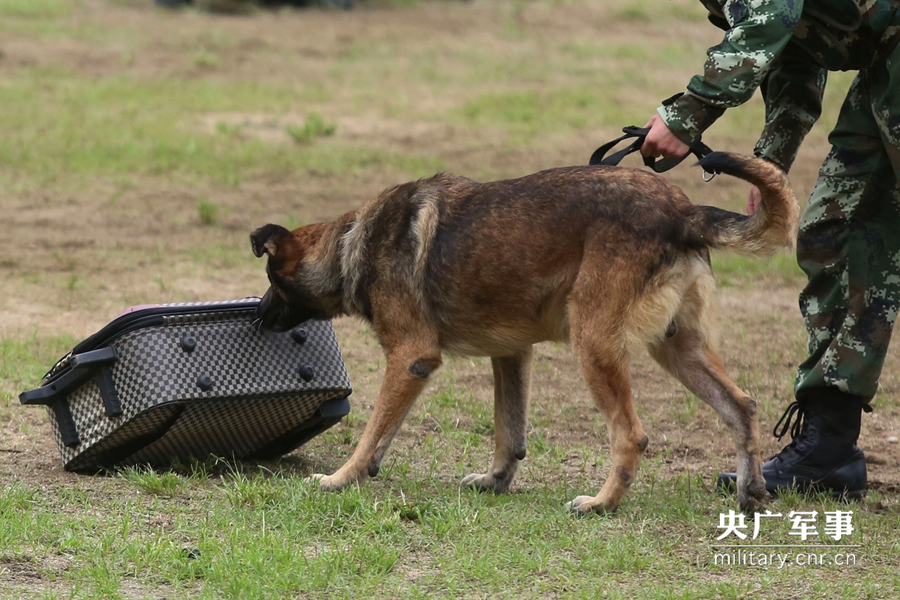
(849, 238)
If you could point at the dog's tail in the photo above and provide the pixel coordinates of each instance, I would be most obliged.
(771, 227)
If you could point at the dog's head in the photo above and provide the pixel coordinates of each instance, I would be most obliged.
(290, 299)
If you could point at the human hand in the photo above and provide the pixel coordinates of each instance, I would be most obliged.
(754, 198)
(660, 141)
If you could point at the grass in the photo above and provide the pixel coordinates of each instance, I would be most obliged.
(648, 11)
(24, 361)
(266, 535)
(158, 115)
(315, 126)
(533, 111)
(734, 270)
(153, 482)
(62, 125)
(208, 211)
(35, 9)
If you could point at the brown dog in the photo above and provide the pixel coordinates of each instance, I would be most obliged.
(604, 257)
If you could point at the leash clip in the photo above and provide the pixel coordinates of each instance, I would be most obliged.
(710, 177)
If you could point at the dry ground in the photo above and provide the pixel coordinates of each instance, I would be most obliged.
(74, 255)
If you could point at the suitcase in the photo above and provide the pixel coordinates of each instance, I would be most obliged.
(173, 382)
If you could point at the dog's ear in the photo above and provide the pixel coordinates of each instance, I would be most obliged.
(267, 239)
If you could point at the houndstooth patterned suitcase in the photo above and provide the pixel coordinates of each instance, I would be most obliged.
(180, 381)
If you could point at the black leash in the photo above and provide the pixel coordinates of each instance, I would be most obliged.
(699, 149)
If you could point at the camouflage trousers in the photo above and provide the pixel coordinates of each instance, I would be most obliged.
(849, 243)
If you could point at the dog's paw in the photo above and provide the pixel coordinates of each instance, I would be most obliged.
(585, 505)
(485, 482)
(753, 499)
(328, 483)
(315, 478)
(478, 481)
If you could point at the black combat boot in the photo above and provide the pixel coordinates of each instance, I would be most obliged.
(823, 455)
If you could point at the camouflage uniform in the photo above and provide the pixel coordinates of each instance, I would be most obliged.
(849, 239)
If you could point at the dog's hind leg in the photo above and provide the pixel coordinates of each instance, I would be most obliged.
(512, 379)
(407, 372)
(689, 356)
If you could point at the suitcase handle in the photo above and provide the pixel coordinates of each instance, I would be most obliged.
(96, 363)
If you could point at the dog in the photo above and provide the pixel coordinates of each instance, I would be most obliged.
(606, 258)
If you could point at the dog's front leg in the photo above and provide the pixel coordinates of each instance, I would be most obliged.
(512, 379)
(408, 369)
(609, 383)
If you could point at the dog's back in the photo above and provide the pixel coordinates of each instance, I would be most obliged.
(493, 264)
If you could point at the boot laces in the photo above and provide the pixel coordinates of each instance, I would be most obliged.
(785, 424)
(796, 426)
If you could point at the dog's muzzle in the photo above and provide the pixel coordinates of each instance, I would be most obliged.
(275, 314)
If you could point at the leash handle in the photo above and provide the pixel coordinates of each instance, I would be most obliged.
(699, 149)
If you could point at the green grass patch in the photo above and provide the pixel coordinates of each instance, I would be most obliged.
(24, 361)
(36, 9)
(208, 212)
(315, 126)
(636, 12)
(533, 112)
(733, 269)
(152, 482)
(59, 125)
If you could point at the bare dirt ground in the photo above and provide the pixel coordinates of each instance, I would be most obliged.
(73, 258)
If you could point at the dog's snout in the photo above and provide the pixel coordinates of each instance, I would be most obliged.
(277, 315)
(263, 307)
(268, 312)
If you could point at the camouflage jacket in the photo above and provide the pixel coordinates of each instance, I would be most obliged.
(786, 47)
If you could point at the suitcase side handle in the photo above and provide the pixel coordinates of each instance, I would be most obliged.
(96, 363)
